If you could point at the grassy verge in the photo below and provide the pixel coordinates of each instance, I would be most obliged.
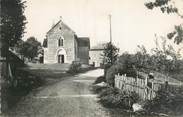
(99, 80)
(111, 97)
(177, 75)
(165, 103)
(168, 102)
(28, 79)
(23, 83)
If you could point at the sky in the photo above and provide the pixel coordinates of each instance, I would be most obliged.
(132, 23)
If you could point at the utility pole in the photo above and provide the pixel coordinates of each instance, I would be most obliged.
(110, 28)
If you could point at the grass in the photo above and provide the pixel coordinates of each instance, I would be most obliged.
(177, 75)
(168, 102)
(25, 83)
(32, 77)
(100, 79)
(111, 97)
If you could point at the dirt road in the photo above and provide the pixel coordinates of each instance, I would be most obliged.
(71, 97)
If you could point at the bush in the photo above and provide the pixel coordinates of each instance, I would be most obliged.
(170, 102)
(121, 69)
(126, 64)
(99, 80)
(110, 74)
(113, 97)
(75, 67)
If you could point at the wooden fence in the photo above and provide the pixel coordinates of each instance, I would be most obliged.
(144, 88)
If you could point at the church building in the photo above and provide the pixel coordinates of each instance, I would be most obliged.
(64, 46)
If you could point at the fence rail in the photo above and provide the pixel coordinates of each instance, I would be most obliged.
(146, 90)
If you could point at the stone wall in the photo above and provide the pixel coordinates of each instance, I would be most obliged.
(95, 57)
(83, 54)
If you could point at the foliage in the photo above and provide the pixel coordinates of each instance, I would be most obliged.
(30, 48)
(113, 97)
(40, 50)
(164, 5)
(125, 65)
(141, 57)
(21, 85)
(163, 59)
(166, 101)
(167, 6)
(177, 34)
(110, 53)
(110, 74)
(12, 21)
(18, 46)
(75, 67)
(100, 79)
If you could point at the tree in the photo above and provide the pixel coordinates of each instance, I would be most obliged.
(110, 53)
(13, 21)
(141, 58)
(167, 6)
(30, 48)
(165, 58)
(177, 34)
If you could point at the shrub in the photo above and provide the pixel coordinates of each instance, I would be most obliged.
(110, 74)
(126, 64)
(75, 67)
(121, 69)
(97, 89)
(170, 102)
(113, 97)
(99, 80)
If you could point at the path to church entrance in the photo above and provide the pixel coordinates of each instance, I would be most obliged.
(70, 97)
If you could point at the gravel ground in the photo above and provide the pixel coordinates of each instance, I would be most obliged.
(71, 97)
(64, 96)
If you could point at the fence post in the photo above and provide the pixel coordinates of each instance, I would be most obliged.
(146, 88)
(153, 90)
(166, 85)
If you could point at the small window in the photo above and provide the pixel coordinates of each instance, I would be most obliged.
(60, 42)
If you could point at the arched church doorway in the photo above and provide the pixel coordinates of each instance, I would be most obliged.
(61, 56)
(61, 59)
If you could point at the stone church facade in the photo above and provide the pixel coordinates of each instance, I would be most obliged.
(64, 46)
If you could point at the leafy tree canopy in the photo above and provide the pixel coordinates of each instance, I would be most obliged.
(167, 6)
(13, 21)
(30, 47)
(110, 53)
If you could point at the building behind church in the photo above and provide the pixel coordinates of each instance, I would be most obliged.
(95, 53)
(64, 46)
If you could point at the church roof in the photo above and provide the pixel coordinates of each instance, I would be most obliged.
(83, 41)
(62, 23)
(100, 46)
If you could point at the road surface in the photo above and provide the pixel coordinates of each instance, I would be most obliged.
(71, 97)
